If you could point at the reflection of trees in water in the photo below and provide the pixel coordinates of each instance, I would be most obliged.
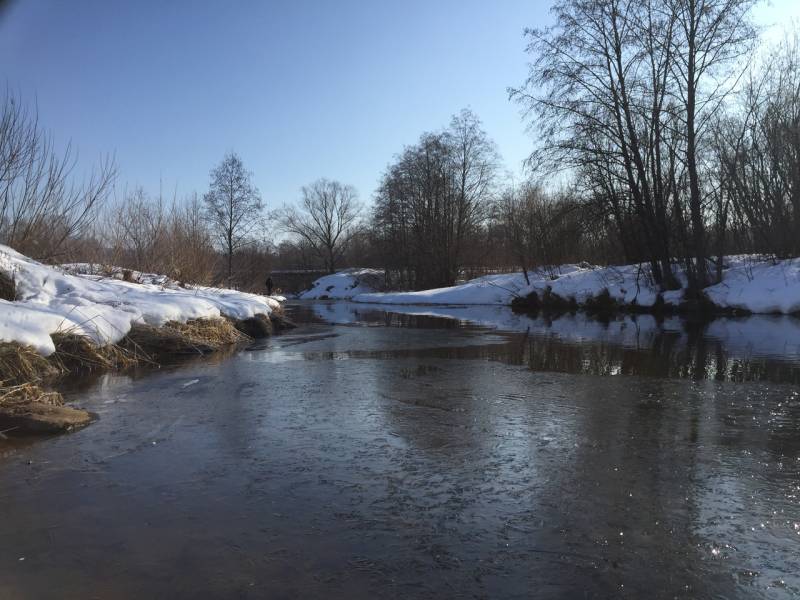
(669, 354)
(623, 345)
(553, 469)
(631, 490)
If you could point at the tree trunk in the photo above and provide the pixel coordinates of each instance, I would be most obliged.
(695, 199)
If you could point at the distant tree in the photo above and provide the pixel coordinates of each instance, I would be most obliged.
(326, 219)
(433, 202)
(233, 207)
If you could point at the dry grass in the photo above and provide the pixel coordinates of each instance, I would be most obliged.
(78, 353)
(30, 409)
(199, 336)
(20, 396)
(27, 408)
(22, 364)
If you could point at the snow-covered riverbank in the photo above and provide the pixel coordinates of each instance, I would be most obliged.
(344, 285)
(750, 284)
(50, 300)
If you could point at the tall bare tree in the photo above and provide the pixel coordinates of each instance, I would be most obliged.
(433, 202)
(234, 209)
(621, 91)
(709, 36)
(326, 219)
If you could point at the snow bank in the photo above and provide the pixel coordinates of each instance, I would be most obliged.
(490, 289)
(50, 300)
(627, 284)
(749, 283)
(759, 285)
(344, 285)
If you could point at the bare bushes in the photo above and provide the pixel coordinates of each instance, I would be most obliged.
(541, 230)
(759, 149)
(42, 203)
(144, 234)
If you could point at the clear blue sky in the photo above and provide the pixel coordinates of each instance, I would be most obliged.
(299, 88)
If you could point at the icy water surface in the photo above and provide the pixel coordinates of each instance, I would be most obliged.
(387, 454)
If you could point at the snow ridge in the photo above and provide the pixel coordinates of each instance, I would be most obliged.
(51, 300)
(750, 283)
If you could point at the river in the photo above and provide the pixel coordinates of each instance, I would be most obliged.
(426, 453)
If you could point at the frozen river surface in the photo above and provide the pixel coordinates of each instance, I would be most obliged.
(371, 454)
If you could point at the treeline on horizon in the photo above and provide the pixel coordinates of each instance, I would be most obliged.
(658, 139)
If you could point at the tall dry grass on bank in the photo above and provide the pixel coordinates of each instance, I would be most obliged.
(22, 364)
(174, 339)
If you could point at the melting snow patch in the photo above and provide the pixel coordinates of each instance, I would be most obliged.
(50, 300)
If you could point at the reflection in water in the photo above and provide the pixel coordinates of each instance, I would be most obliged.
(757, 348)
(415, 457)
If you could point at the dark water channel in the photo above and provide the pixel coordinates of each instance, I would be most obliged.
(408, 453)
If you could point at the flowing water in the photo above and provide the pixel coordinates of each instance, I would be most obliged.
(410, 453)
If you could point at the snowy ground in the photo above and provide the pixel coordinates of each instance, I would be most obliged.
(344, 285)
(750, 283)
(50, 300)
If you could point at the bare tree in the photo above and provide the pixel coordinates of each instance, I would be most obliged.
(622, 91)
(42, 203)
(599, 99)
(326, 219)
(233, 207)
(433, 203)
(709, 35)
(758, 150)
(475, 160)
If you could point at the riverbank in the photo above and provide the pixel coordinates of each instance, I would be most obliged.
(750, 284)
(59, 322)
